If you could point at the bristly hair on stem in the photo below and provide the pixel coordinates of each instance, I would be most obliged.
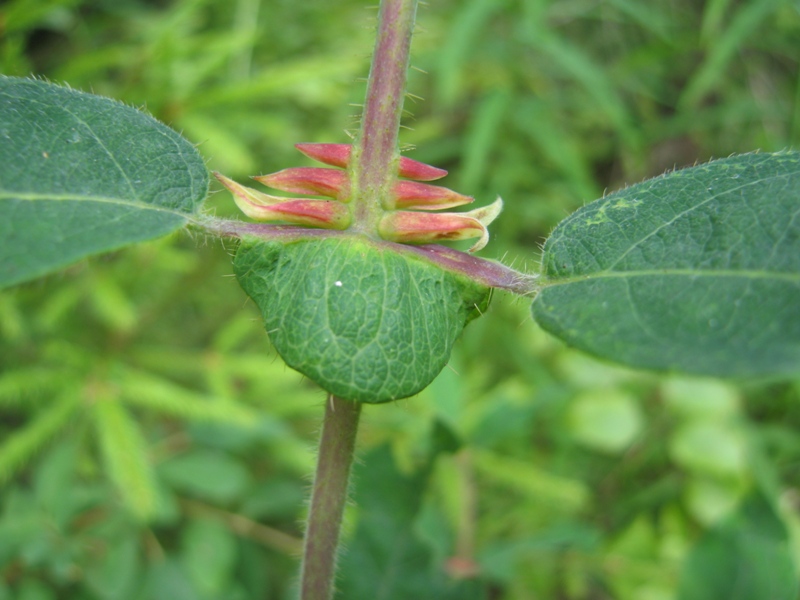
(328, 498)
(373, 171)
(374, 162)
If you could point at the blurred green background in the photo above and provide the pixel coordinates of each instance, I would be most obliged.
(153, 446)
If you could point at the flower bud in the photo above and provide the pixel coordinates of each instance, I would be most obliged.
(409, 227)
(313, 213)
(338, 155)
(298, 211)
(317, 181)
(423, 196)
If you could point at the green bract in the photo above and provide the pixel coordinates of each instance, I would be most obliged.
(696, 271)
(363, 319)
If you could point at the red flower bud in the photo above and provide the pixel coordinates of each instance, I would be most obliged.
(332, 183)
(408, 227)
(423, 228)
(338, 155)
(313, 213)
(413, 169)
(403, 226)
(298, 211)
(423, 196)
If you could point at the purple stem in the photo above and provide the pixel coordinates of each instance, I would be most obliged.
(375, 157)
(487, 272)
(373, 169)
(328, 498)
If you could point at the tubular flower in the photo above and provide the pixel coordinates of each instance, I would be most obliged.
(403, 221)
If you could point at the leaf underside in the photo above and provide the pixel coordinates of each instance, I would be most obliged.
(360, 319)
(81, 174)
(695, 271)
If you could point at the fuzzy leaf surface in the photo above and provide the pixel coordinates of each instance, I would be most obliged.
(364, 321)
(696, 271)
(82, 174)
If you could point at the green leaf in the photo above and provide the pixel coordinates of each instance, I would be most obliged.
(746, 558)
(364, 321)
(708, 446)
(695, 271)
(209, 556)
(167, 580)
(207, 474)
(151, 391)
(605, 420)
(20, 446)
(81, 174)
(115, 575)
(54, 481)
(125, 454)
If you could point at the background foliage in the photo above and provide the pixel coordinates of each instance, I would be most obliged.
(153, 446)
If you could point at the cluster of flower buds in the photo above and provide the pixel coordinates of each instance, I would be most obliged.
(406, 219)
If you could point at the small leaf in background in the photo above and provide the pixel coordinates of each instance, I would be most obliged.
(82, 174)
(696, 398)
(505, 560)
(711, 499)
(745, 558)
(274, 498)
(55, 482)
(32, 589)
(563, 493)
(20, 446)
(605, 420)
(207, 474)
(695, 271)
(167, 580)
(209, 556)
(360, 319)
(125, 454)
(386, 559)
(115, 576)
(712, 447)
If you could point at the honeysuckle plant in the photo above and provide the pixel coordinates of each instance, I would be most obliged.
(696, 271)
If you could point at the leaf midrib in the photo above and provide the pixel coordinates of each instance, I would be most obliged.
(5, 195)
(693, 273)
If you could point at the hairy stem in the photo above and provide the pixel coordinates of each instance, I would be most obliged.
(373, 170)
(328, 498)
(376, 153)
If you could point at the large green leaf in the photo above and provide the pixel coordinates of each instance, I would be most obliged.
(81, 174)
(364, 321)
(695, 271)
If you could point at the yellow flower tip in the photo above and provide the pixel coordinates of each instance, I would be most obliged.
(411, 227)
(485, 215)
(246, 196)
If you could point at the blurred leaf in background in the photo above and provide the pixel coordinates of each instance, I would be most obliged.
(153, 446)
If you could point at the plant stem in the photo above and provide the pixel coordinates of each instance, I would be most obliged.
(373, 170)
(374, 161)
(328, 498)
